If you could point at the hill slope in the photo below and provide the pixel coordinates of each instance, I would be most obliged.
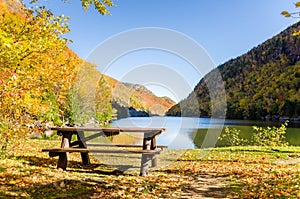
(262, 82)
(138, 97)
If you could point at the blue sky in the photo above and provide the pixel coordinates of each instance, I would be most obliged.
(225, 29)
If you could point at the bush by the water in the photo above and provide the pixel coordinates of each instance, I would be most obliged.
(262, 136)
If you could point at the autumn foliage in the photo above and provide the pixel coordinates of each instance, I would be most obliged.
(37, 69)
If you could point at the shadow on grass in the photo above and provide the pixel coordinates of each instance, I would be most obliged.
(58, 189)
(21, 185)
(78, 167)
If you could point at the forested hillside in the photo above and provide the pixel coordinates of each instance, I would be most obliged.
(263, 82)
(103, 98)
(143, 99)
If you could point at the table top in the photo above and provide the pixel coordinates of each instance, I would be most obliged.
(112, 130)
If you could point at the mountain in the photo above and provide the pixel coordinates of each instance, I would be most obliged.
(153, 104)
(137, 98)
(259, 84)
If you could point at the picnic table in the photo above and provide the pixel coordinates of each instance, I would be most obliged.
(148, 149)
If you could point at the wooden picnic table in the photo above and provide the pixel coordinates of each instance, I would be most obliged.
(149, 149)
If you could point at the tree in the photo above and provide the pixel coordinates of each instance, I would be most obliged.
(36, 70)
(100, 5)
(294, 15)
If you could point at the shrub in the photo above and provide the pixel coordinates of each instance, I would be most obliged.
(262, 136)
(232, 137)
(269, 136)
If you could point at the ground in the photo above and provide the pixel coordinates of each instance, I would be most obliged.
(233, 172)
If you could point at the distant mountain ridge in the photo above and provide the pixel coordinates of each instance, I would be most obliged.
(154, 104)
(137, 97)
(259, 84)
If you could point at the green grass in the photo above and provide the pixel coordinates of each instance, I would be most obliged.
(248, 172)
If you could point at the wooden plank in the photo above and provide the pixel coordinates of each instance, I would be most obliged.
(144, 165)
(125, 151)
(53, 153)
(145, 158)
(63, 157)
(124, 145)
(62, 150)
(153, 146)
(82, 144)
(82, 150)
(113, 129)
(81, 139)
(75, 129)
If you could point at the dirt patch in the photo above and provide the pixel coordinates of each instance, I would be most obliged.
(206, 186)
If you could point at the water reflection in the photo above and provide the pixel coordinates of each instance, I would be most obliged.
(183, 133)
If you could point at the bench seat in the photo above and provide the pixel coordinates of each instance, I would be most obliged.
(126, 145)
(82, 150)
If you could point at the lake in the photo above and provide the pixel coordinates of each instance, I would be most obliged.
(184, 133)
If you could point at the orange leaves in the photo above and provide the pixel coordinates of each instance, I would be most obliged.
(36, 49)
(35, 63)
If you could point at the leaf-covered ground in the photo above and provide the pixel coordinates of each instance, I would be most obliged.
(236, 172)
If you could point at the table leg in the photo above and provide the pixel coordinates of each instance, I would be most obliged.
(145, 157)
(63, 157)
(154, 158)
(84, 156)
(144, 165)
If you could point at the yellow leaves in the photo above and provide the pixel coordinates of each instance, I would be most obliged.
(100, 5)
(286, 13)
(132, 190)
(42, 60)
(296, 33)
(34, 61)
(13, 182)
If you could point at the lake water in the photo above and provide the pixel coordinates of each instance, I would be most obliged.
(183, 133)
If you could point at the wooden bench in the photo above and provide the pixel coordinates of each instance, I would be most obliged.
(149, 149)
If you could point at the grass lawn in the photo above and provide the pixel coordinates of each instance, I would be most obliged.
(234, 172)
